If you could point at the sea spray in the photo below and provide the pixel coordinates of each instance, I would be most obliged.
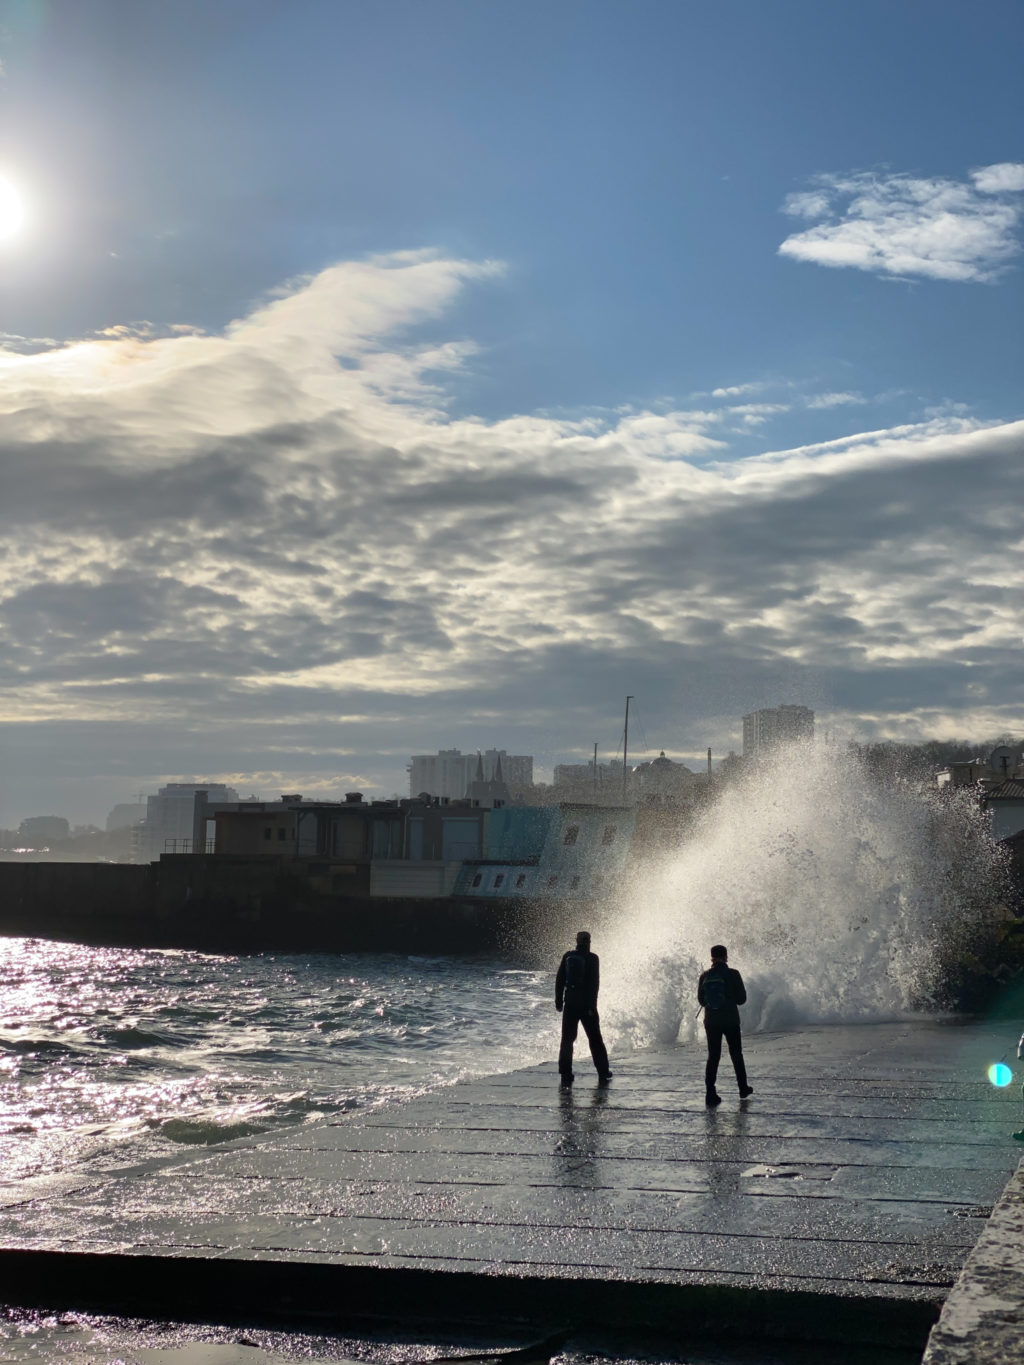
(834, 892)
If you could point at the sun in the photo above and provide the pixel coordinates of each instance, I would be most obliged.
(12, 209)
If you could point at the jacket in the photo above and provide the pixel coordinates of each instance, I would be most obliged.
(591, 981)
(735, 995)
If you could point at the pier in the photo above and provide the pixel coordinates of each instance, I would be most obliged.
(838, 1204)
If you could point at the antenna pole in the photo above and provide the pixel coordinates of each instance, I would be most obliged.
(625, 749)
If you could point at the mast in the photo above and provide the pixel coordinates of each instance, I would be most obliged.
(595, 769)
(625, 749)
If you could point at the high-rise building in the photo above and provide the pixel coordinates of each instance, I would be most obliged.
(167, 827)
(775, 725)
(449, 772)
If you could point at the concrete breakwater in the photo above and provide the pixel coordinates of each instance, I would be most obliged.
(838, 1205)
(251, 905)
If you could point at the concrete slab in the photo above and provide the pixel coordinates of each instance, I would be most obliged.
(860, 1172)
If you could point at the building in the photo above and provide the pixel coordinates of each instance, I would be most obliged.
(386, 849)
(168, 826)
(488, 791)
(774, 726)
(125, 814)
(663, 780)
(590, 781)
(1004, 763)
(1004, 802)
(569, 851)
(449, 772)
(40, 831)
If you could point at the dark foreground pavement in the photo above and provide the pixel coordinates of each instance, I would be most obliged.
(838, 1204)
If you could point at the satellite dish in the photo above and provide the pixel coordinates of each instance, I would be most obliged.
(1003, 760)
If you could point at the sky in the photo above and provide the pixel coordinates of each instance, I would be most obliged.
(383, 378)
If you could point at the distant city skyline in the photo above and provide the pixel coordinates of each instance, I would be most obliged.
(375, 377)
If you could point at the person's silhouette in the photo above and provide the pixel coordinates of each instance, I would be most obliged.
(721, 991)
(576, 985)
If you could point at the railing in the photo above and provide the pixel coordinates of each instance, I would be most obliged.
(185, 846)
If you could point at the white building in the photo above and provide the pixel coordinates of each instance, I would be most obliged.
(1004, 802)
(167, 827)
(449, 772)
(773, 726)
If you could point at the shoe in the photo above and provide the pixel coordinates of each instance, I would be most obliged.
(567, 1081)
(603, 1080)
(746, 1090)
(711, 1099)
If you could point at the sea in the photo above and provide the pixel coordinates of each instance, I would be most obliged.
(834, 892)
(109, 1056)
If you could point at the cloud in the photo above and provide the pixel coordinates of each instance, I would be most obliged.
(737, 390)
(226, 545)
(835, 400)
(756, 414)
(1004, 177)
(903, 226)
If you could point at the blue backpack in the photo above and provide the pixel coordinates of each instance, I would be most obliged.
(714, 993)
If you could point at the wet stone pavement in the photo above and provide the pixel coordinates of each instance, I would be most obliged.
(862, 1170)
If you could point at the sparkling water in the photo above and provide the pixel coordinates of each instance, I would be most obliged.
(110, 1055)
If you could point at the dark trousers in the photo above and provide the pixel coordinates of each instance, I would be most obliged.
(731, 1033)
(572, 1017)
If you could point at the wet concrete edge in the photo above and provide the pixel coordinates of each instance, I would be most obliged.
(293, 1293)
(982, 1322)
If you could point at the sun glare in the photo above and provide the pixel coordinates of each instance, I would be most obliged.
(12, 209)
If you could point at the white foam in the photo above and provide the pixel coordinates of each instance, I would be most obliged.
(830, 888)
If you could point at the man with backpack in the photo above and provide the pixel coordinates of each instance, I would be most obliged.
(576, 987)
(720, 991)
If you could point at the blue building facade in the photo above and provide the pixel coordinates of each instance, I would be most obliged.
(550, 851)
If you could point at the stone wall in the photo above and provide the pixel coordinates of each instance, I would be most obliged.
(982, 1322)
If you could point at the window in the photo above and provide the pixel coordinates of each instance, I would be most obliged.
(575, 882)
(477, 879)
(553, 879)
(282, 834)
(499, 879)
(571, 835)
(610, 831)
(520, 880)
(267, 832)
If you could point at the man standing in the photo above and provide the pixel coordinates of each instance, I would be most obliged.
(720, 991)
(576, 987)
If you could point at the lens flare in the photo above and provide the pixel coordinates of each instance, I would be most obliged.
(1000, 1074)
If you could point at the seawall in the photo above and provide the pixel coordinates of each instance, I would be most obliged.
(247, 905)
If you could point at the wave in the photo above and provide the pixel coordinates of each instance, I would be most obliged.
(37, 1046)
(204, 1132)
(832, 890)
(134, 1037)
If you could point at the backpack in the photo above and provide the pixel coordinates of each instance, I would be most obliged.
(714, 992)
(575, 975)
